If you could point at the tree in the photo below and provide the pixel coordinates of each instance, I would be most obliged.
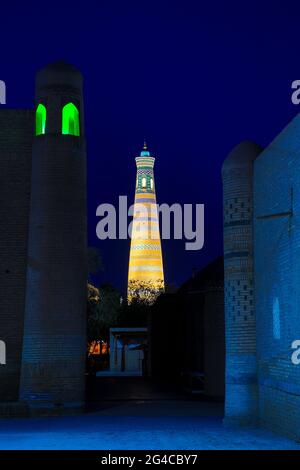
(141, 296)
(103, 311)
(144, 292)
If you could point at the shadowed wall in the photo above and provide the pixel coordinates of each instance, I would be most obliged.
(277, 279)
(16, 135)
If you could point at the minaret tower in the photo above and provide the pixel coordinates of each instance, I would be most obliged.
(146, 274)
(54, 344)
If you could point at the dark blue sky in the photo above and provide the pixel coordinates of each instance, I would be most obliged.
(195, 78)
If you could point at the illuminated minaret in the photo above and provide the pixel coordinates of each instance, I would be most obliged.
(146, 274)
(54, 342)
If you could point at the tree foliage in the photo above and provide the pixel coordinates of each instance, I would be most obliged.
(103, 311)
(144, 292)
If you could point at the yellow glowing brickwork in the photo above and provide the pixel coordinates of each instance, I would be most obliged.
(145, 274)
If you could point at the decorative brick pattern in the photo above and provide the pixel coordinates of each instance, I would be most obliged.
(241, 403)
(262, 278)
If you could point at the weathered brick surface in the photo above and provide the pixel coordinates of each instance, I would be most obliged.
(16, 134)
(262, 299)
(277, 276)
(53, 361)
(241, 402)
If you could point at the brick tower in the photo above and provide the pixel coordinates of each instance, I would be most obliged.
(53, 360)
(146, 274)
(241, 405)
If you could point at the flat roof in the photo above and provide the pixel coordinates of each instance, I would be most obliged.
(129, 330)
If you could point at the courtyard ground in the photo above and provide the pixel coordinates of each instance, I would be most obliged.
(133, 415)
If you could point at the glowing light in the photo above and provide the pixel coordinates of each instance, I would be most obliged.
(146, 274)
(70, 120)
(40, 119)
(99, 347)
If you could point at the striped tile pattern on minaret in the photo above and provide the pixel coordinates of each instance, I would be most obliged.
(145, 262)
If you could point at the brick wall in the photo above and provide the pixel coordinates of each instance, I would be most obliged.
(16, 133)
(53, 367)
(277, 279)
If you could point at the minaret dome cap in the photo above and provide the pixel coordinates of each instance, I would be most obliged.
(242, 155)
(59, 73)
(145, 152)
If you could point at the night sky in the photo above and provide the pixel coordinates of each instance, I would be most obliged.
(194, 79)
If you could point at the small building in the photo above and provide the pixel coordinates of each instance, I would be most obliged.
(187, 338)
(128, 350)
